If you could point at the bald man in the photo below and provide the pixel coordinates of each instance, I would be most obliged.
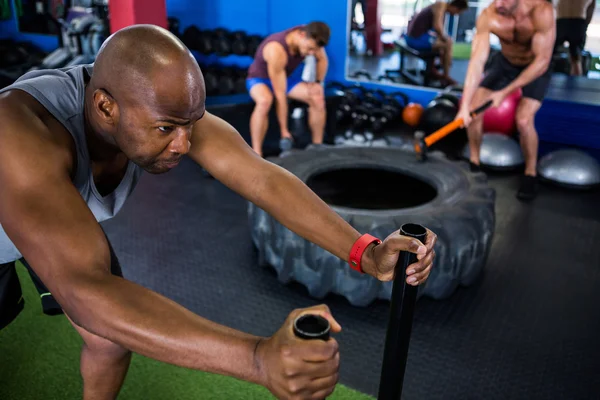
(73, 144)
(572, 20)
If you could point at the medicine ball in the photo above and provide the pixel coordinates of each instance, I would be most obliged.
(452, 98)
(438, 114)
(412, 114)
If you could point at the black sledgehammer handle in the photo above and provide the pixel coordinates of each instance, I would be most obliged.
(404, 297)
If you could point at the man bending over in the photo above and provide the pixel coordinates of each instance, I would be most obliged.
(572, 20)
(73, 144)
(527, 30)
(269, 80)
(426, 32)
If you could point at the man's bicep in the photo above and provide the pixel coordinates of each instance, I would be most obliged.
(481, 39)
(276, 61)
(542, 43)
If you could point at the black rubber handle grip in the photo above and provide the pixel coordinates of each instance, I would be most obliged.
(404, 298)
(481, 108)
(311, 327)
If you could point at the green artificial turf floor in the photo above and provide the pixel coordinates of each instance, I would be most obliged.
(39, 359)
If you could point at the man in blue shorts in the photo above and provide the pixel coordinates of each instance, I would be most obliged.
(426, 32)
(270, 77)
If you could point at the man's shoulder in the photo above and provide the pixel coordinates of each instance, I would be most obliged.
(27, 125)
(274, 51)
(542, 13)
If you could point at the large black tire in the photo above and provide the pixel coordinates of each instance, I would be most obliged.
(462, 215)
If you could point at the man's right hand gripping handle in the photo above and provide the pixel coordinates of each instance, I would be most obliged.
(294, 368)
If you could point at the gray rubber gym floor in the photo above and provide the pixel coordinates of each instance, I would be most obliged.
(528, 330)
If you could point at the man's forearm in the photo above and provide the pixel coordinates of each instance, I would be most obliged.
(322, 65)
(281, 108)
(473, 79)
(152, 325)
(529, 74)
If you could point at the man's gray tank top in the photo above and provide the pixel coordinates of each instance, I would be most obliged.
(61, 92)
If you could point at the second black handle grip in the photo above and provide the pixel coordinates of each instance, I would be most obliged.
(404, 298)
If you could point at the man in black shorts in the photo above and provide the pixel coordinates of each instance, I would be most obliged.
(73, 144)
(572, 20)
(527, 31)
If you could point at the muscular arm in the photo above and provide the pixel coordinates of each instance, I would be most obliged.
(479, 55)
(322, 64)
(542, 46)
(439, 14)
(46, 218)
(276, 59)
(589, 14)
(218, 147)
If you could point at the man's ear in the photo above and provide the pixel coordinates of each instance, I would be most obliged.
(105, 106)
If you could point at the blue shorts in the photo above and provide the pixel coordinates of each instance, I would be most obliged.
(291, 82)
(423, 42)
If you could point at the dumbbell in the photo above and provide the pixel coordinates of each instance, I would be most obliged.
(379, 118)
(227, 77)
(239, 43)
(362, 74)
(240, 80)
(361, 117)
(211, 80)
(352, 96)
(173, 26)
(395, 103)
(375, 98)
(196, 39)
(221, 41)
(252, 43)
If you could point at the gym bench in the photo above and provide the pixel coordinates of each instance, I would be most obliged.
(413, 77)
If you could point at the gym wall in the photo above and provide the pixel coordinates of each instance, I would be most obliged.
(256, 17)
(267, 16)
(9, 29)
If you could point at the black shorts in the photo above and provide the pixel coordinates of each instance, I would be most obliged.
(572, 31)
(11, 297)
(500, 73)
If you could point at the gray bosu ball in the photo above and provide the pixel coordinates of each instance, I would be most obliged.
(570, 168)
(498, 151)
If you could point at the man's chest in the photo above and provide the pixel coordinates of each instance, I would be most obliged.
(513, 31)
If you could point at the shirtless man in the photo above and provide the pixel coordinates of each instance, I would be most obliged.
(527, 30)
(572, 20)
(73, 144)
(276, 59)
(425, 31)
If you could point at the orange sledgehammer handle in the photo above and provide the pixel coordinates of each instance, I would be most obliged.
(452, 126)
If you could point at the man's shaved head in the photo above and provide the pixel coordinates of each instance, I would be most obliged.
(146, 92)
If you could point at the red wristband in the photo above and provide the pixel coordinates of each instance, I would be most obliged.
(358, 249)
